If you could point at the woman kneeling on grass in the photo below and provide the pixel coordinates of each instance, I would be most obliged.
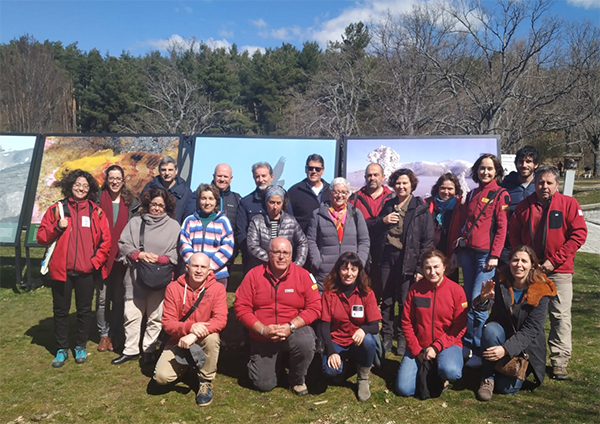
(519, 302)
(434, 320)
(83, 243)
(350, 320)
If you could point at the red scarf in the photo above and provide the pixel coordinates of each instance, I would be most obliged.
(339, 219)
(116, 229)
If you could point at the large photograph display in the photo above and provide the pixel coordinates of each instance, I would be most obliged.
(287, 156)
(16, 156)
(428, 157)
(138, 155)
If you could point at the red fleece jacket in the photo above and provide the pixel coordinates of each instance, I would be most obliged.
(212, 307)
(262, 297)
(564, 233)
(434, 316)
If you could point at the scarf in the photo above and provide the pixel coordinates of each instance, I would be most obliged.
(443, 206)
(339, 219)
(117, 228)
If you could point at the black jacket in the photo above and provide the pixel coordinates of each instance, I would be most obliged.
(304, 201)
(184, 197)
(229, 204)
(417, 233)
(529, 321)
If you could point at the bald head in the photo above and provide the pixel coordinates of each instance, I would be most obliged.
(373, 177)
(280, 255)
(198, 268)
(222, 176)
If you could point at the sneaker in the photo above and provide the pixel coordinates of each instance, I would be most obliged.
(486, 390)
(474, 362)
(559, 373)
(61, 357)
(204, 396)
(104, 344)
(80, 355)
(300, 389)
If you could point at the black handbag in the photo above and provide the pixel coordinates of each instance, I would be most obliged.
(152, 276)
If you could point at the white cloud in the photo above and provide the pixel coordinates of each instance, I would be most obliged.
(226, 34)
(193, 43)
(283, 33)
(368, 10)
(259, 23)
(585, 3)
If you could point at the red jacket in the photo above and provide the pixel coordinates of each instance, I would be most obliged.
(179, 298)
(434, 316)
(370, 207)
(489, 232)
(337, 310)
(77, 248)
(262, 297)
(564, 233)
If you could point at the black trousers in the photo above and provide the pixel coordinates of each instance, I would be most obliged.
(84, 286)
(395, 288)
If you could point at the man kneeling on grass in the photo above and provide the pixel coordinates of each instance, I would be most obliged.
(195, 341)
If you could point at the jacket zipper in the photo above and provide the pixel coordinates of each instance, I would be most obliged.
(76, 237)
(433, 315)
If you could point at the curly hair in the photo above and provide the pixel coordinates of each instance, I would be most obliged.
(153, 192)
(414, 181)
(448, 176)
(66, 184)
(497, 166)
(333, 280)
(126, 194)
(207, 187)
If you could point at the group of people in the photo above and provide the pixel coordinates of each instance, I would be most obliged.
(325, 270)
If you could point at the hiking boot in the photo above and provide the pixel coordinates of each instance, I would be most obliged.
(486, 390)
(104, 344)
(300, 389)
(559, 373)
(61, 357)
(80, 355)
(362, 379)
(387, 344)
(204, 396)
(401, 347)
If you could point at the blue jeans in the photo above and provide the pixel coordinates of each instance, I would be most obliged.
(472, 263)
(450, 365)
(494, 335)
(363, 355)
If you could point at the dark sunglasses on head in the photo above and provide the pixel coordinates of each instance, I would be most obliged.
(314, 168)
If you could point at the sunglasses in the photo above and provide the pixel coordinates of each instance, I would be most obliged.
(314, 168)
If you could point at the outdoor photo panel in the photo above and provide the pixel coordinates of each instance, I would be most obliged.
(138, 155)
(428, 157)
(287, 156)
(16, 157)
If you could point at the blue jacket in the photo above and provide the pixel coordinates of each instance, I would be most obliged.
(185, 198)
(516, 190)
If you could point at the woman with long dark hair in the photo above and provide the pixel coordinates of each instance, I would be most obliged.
(484, 224)
(161, 233)
(119, 204)
(519, 300)
(82, 247)
(350, 318)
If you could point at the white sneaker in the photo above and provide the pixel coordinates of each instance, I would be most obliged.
(467, 353)
(474, 362)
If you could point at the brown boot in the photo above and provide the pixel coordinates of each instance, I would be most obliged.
(486, 390)
(104, 344)
(362, 378)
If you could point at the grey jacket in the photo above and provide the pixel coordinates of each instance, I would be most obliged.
(259, 237)
(324, 247)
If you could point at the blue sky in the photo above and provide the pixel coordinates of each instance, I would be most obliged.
(143, 26)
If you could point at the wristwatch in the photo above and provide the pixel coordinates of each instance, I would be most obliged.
(292, 327)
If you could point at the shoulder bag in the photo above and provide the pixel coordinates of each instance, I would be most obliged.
(152, 276)
(50, 250)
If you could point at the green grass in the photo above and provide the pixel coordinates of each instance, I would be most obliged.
(32, 391)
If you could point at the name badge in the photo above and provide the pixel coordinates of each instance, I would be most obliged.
(85, 221)
(358, 311)
(289, 291)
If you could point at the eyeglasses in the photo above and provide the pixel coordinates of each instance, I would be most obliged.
(339, 193)
(314, 168)
(81, 186)
(281, 253)
(157, 205)
(115, 179)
